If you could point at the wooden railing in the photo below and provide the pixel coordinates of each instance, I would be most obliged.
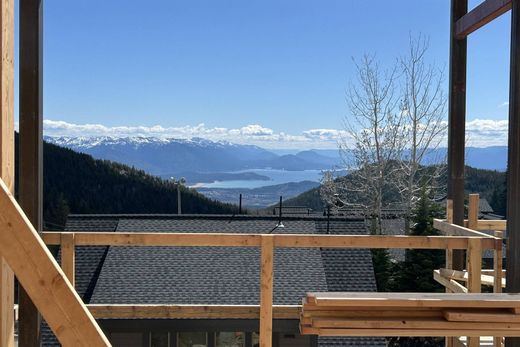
(463, 239)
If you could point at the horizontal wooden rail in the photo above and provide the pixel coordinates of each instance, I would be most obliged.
(457, 230)
(190, 311)
(480, 16)
(280, 240)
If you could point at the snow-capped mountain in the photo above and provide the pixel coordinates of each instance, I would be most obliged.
(171, 156)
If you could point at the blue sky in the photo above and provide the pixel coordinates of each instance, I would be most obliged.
(270, 66)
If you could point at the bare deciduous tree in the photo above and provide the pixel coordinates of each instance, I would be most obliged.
(370, 144)
(394, 128)
(423, 107)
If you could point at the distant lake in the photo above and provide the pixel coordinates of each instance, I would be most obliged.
(276, 176)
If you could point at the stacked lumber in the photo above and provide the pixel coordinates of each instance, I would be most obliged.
(410, 314)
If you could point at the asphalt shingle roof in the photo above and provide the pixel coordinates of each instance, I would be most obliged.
(219, 275)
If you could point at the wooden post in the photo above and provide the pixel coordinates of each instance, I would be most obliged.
(513, 165)
(473, 210)
(449, 252)
(68, 256)
(474, 267)
(457, 121)
(6, 159)
(31, 143)
(266, 291)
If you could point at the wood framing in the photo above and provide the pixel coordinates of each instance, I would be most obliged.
(6, 159)
(68, 255)
(457, 121)
(43, 279)
(480, 16)
(85, 238)
(266, 291)
(190, 311)
(30, 159)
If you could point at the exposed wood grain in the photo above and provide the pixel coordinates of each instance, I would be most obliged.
(470, 300)
(457, 230)
(473, 210)
(406, 332)
(266, 291)
(474, 265)
(481, 15)
(280, 240)
(43, 279)
(190, 311)
(451, 285)
(6, 158)
(68, 255)
(481, 316)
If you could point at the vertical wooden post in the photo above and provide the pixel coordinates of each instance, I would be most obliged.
(474, 267)
(266, 291)
(68, 256)
(6, 158)
(513, 165)
(31, 143)
(473, 210)
(449, 252)
(457, 121)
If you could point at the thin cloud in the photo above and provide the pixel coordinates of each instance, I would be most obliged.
(504, 104)
(480, 133)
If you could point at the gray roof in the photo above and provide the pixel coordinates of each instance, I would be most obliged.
(220, 275)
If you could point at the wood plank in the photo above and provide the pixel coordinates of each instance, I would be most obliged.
(7, 161)
(483, 300)
(488, 280)
(190, 311)
(499, 225)
(499, 280)
(409, 323)
(253, 240)
(481, 316)
(474, 265)
(266, 291)
(480, 16)
(457, 230)
(30, 158)
(451, 285)
(406, 332)
(43, 279)
(68, 255)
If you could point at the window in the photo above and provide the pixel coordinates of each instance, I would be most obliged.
(198, 339)
(256, 339)
(159, 339)
(230, 339)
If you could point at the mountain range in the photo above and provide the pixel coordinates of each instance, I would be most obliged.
(170, 157)
(164, 157)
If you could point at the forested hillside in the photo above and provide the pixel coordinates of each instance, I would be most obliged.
(77, 183)
(490, 184)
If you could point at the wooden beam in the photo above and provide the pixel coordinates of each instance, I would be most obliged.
(68, 256)
(6, 158)
(30, 194)
(280, 240)
(43, 279)
(266, 291)
(457, 230)
(190, 311)
(457, 121)
(481, 15)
